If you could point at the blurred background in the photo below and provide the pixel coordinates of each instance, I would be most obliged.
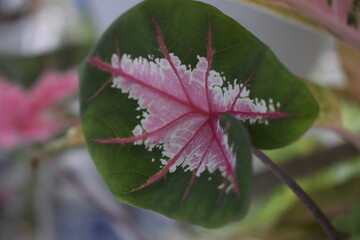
(49, 186)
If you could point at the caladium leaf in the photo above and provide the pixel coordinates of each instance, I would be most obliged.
(340, 17)
(27, 116)
(152, 96)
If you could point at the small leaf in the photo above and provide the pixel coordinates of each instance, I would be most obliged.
(350, 223)
(152, 96)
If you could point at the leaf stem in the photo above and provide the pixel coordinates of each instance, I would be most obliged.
(300, 166)
(307, 201)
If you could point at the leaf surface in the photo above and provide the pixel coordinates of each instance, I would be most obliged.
(164, 98)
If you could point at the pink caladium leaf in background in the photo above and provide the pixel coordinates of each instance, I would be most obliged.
(25, 115)
(164, 109)
(340, 17)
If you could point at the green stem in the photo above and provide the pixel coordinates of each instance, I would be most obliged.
(307, 201)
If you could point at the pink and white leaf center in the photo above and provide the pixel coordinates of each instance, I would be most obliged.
(180, 112)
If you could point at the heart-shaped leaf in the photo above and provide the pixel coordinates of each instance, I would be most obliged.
(152, 96)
